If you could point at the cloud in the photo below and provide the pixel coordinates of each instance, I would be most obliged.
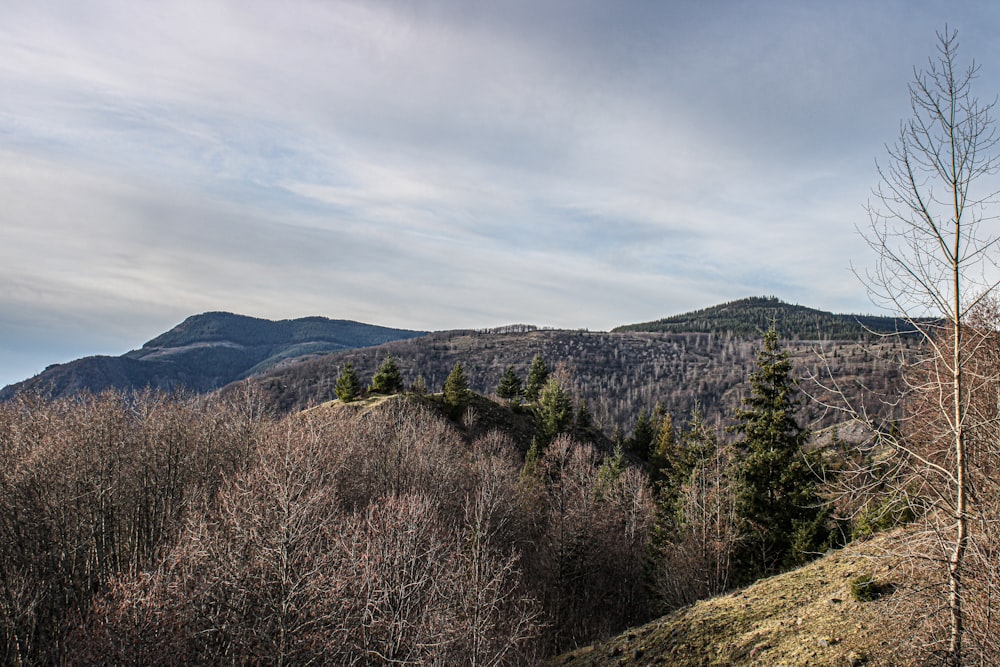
(440, 164)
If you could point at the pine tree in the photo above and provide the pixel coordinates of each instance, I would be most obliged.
(387, 379)
(510, 388)
(584, 420)
(662, 458)
(776, 495)
(348, 386)
(456, 391)
(538, 375)
(642, 435)
(555, 409)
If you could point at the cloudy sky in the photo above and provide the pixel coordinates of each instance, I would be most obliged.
(440, 164)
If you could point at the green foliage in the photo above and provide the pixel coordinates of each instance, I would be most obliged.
(538, 375)
(387, 379)
(672, 465)
(884, 514)
(643, 434)
(864, 588)
(664, 452)
(810, 538)
(510, 389)
(609, 472)
(456, 391)
(776, 494)
(532, 461)
(583, 420)
(554, 410)
(348, 386)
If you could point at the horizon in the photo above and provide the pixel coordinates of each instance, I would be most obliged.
(574, 164)
(540, 327)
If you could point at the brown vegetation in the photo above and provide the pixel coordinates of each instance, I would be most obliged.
(154, 530)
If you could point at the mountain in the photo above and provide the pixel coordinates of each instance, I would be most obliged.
(755, 315)
(208, 351)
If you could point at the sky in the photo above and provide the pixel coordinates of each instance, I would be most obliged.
(441, 164)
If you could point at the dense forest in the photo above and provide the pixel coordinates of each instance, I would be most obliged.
(752, 316)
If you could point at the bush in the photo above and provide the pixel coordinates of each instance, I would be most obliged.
(884, 514)
(865, 589)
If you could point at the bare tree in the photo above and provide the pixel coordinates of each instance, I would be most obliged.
(933, 268)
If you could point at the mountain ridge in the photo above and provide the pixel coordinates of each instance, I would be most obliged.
(207, 351)
(210, 350)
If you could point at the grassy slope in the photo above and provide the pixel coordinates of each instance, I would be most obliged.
(803, 617)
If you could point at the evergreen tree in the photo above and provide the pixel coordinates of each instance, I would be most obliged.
(555, 409)
(656, 421)
(642, 435)
(671, 462)
(387, 379)
(583, 420)
(664, 452)
(348, 386)
(538, 375)
(510, 388)
(456, 391)
(532, 461)
(776, 495)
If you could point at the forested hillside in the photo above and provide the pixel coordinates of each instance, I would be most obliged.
(753, 316)
(618, 374)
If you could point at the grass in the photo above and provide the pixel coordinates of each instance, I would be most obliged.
(804, 617)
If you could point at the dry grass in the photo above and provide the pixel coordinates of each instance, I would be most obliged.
(803, 617)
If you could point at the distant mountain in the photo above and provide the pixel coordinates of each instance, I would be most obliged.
(208, 351)
(753, 316)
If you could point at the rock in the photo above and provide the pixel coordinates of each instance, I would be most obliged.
(855, 659)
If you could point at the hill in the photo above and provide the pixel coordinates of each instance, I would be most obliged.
(805, 617)
(754, 315)
(618, 374)
(208, 351)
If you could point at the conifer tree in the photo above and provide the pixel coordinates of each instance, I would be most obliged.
(537, 377)
(584, 420)
(555, 409)
(664, 451)
(387, 379)
(348, 385)
(456, 391)
(776, 495)
(510, 388)
(642, 435)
